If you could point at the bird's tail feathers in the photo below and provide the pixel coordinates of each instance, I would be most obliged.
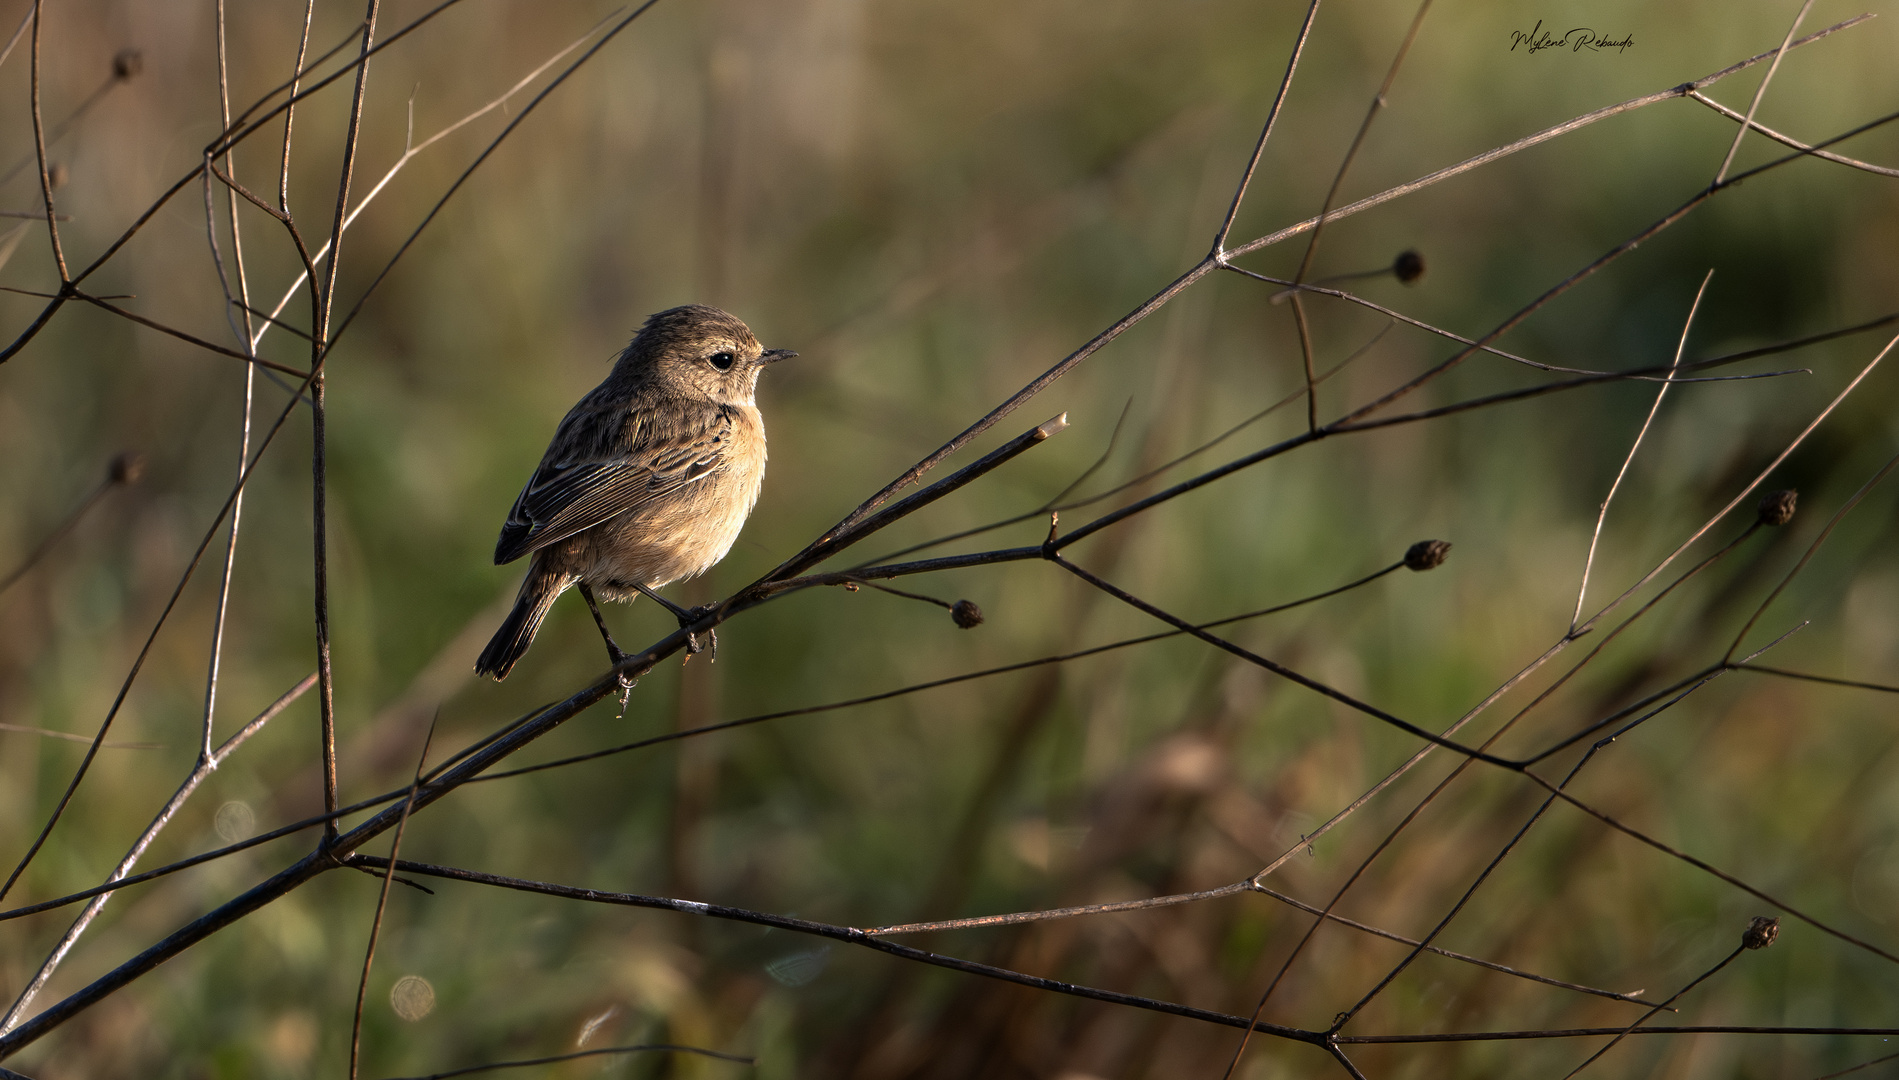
(511, 641)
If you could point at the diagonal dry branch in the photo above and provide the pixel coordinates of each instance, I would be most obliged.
(846, 934)
(205, 767)
(1602, 514)
(1788, 140)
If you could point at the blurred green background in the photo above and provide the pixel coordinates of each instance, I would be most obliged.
(932, 203)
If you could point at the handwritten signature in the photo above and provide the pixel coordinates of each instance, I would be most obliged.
(1576, 40)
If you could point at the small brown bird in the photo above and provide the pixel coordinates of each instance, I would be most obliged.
(648, 480)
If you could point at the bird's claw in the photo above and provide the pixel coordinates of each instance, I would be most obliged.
(693, 648)
(617, 656)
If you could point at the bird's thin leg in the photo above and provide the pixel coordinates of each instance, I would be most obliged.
(614, 653)
(686, 617)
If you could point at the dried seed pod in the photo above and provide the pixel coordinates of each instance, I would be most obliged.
(1761, 932)
(1409, 266)
(126, 469)
(966, 614)
(1777, 507)
(1427, 554)
(127, 63)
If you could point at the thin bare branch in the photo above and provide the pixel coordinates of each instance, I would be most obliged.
(19, 32)
(1759, 478)
(932, 684)
(1276, 668)
(145, 650)
(493, 144)
(204, 768)
(1265, 131)
(838, 539)
(1528, 141)
(290, 109)
(846, 934)
(323, 303)
(67, 736)
(1692, 983)
(1602, 514)
(1809, 677)
(983, 922)
(125, 469)
(241, 331)
(1787, 140)
(1760, 92)
(217, 147)
(382, 902)
(410, 150)
(204, 857)
(657, 1048)
(1586, 1033)
(1807, 556)
(183, 336)
(1057, 506)
(1714, 871)
(1657, 374)
(39, 148)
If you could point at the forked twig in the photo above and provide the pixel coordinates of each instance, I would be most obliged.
(1265, 132)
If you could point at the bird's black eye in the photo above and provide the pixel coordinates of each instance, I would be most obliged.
(720, 360)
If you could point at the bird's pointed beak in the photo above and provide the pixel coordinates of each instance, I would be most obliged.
(772, 356)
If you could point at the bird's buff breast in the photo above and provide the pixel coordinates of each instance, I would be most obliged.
(680, 537)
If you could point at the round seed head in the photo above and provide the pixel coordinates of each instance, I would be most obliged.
(1761, 932)
(1408, 267)
(1777, 507)
(1427, 554)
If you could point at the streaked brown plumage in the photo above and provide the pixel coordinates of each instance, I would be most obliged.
(649, 478)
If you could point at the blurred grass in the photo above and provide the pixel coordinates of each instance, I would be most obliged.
(933, 203)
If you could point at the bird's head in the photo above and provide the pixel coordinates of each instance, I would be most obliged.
(700, 351)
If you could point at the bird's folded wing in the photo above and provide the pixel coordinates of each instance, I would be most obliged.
(567, 497)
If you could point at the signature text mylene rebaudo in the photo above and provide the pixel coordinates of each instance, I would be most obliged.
(1576, 40)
